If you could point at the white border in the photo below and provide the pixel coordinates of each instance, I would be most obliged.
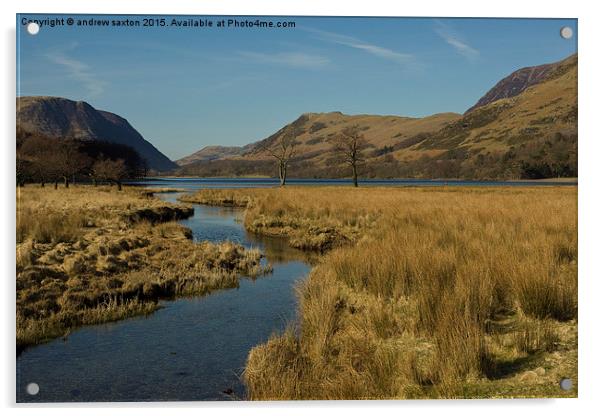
(590, 209)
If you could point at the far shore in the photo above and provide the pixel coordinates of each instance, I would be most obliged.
(559, 180)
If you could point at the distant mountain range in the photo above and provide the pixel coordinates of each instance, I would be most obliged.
(58, 117)
(524, 127)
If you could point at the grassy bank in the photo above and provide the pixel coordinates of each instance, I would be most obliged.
(316, 219)
(88, 255)
(438, 292)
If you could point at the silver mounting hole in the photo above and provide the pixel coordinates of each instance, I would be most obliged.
(33, 28)
(566, 384)
(566, 32)
(32, 389)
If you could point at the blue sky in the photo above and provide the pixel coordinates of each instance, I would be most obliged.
(185, 88)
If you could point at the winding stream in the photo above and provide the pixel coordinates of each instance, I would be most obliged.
(190, 349)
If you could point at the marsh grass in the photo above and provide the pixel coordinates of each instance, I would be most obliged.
(54, 228)
(311, 220)
(534, 335)
(420, 293)
(35, 331)
(87, 255)
(439, 292)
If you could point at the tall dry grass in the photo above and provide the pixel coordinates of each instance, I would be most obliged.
(312, 220)
(420, 304)
(54, 216)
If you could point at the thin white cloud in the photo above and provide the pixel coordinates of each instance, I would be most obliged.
(292, 59)
(452, 38)
(376, 50)
(77, 70)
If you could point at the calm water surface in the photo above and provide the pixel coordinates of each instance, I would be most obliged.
(191, 349)
(198, 183)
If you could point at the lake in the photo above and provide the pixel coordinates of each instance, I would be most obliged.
(191, 184)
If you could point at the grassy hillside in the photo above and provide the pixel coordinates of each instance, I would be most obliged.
(530, 135)
(210, 153)
(520, 80)
(379, 131)
(314, 147)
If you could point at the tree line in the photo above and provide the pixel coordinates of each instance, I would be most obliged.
(47, 160)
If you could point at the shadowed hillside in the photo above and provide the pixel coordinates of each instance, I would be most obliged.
(61, 118)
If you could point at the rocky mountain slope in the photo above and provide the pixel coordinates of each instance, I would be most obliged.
(520, 80)
(62, 118)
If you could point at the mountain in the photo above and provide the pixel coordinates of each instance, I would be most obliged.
(210, 153)
(525, 127)
(380, 132)
(530, 135)
(62, 118)
(520, 80)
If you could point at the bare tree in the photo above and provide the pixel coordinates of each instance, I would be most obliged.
(36, 150)
(283, 149)
(114, 171)
(350, 143)
(67, 160)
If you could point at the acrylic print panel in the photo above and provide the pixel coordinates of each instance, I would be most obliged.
(267, 208)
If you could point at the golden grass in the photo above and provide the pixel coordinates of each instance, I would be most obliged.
(443, 292)
(52, 216)
(311, 224)
(88, 255)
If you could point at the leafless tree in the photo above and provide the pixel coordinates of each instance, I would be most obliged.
(114, 171)
(350, 143)
(67, 161)
(283, 149)
(36, 150)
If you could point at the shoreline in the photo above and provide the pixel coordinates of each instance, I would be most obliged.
(367, 181)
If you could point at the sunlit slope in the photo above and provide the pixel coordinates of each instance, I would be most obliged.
(524, 127)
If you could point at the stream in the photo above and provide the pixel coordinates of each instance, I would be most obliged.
(191, 349)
